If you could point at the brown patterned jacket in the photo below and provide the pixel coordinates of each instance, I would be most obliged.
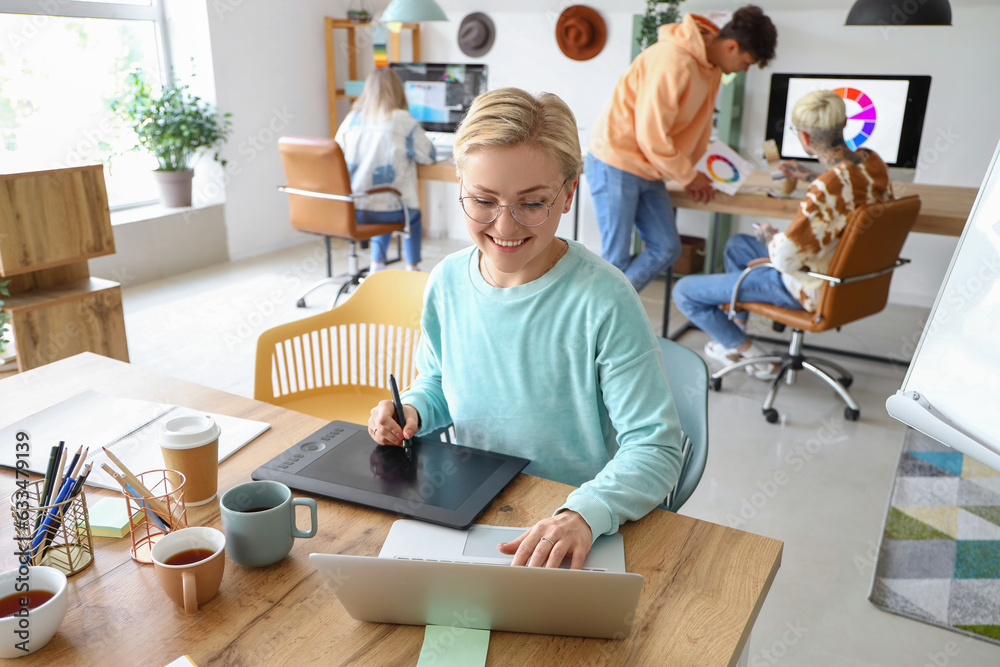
(811, 238)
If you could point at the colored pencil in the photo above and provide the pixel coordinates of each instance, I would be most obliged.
(51, 522)
(47, 482)
(57, 480)
(135, 493)
(72, 463)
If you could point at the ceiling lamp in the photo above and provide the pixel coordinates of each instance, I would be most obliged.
(896, 13)
(412, 11)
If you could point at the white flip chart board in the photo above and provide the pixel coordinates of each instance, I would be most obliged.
(951, 391)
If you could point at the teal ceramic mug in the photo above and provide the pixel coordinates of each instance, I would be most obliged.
(258, 519)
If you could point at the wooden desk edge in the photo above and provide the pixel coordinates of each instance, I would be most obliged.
(764, 591)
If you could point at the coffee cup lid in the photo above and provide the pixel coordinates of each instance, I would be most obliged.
(188, 431)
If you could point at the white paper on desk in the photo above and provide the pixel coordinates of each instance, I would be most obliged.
(126, 426)
(727, 168)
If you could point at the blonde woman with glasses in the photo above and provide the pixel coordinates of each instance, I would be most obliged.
(534, 346)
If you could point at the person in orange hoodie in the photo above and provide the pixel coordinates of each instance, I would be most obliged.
(655, 127)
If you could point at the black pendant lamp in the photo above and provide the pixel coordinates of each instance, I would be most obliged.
(900, 12)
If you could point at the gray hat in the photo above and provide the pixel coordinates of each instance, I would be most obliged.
(475, 34)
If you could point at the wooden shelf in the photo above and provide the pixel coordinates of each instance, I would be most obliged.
(335, 93)
(51, 222)
(54, 296)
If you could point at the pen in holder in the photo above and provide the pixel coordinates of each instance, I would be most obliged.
(156, 514)
(56, 534)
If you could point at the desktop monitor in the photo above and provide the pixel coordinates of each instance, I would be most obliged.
(439, 94)
(884, 113)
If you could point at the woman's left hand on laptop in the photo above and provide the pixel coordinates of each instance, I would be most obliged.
(550, 541)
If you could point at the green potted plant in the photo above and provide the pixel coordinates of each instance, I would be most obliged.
(358, 15)
(657, 14)
(175, 126)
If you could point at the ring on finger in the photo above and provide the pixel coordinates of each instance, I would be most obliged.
(547, 540)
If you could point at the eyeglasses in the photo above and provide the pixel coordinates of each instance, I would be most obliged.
(526, 213)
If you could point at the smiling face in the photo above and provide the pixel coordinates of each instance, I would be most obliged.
(514, 254)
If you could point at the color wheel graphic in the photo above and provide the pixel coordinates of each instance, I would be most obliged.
(712, 159)
(866, 116)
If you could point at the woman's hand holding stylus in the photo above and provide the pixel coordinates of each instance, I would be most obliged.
(385, 430)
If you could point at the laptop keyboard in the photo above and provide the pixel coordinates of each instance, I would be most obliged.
(565, 566)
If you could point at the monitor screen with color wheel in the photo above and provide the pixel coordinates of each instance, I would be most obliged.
(885, 113)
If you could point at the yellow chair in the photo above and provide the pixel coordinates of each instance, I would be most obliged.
(336, 365)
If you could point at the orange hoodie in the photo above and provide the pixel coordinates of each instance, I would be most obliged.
(658, 121)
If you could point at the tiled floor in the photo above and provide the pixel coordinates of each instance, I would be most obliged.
(814, 480)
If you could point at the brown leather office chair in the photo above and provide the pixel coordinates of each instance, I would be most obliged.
(857, 286)
(321, 202)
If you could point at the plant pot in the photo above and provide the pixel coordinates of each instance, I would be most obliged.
(175, 187)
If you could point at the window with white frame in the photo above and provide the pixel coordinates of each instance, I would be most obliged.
(61, 63)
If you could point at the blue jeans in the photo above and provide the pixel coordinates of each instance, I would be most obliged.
(623, 202)
(698, 297)
(380, 244)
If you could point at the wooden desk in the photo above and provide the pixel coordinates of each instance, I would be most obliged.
(704, 583)
(944, 209)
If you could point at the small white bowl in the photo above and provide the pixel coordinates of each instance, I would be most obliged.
(43, 621)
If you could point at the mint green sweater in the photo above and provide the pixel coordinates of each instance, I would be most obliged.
(565, 371)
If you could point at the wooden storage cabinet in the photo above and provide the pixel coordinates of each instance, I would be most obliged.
(51, 223)
(350, 48)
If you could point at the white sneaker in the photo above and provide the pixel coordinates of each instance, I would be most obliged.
(375, 267)
(724, 355)
(730, 355)
(762, 371)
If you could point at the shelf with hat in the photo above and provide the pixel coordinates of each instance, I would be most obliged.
(360, 38)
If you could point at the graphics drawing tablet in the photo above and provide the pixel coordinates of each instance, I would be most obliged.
(444, 484)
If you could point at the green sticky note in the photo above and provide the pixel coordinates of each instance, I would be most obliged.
(109, 517)
(453, 647)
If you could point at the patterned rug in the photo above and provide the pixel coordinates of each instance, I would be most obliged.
(939, 560)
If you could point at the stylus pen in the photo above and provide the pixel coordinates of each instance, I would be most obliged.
(407, 444)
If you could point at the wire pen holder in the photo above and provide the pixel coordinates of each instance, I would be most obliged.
(157, 514)
(57, 535)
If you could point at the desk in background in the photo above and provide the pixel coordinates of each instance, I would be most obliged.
(944, 209)
(704, 584)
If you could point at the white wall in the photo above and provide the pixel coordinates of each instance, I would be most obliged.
(270, 71)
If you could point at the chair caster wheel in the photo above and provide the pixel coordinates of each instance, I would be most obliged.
(301, 303)
(771, 415)
(845, 381)
(850, 414)
(715, 383)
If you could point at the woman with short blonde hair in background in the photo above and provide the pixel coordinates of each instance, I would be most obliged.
(382, 145)
(534, 346)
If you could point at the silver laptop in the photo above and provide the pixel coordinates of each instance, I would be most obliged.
(431, 575)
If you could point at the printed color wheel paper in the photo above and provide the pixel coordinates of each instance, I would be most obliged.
(727, 168)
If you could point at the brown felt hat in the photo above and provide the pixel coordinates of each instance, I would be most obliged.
(580, 32)
(476, 34)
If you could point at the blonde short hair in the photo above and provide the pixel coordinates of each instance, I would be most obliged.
(820, 112)
(508, 117)
(383, 93)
